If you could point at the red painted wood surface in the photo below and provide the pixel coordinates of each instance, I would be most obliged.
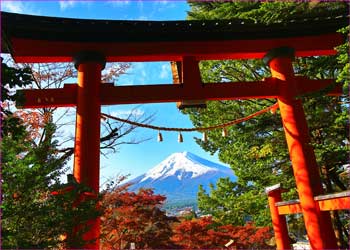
(339, 203)
(111, 95)
(317, 223)
(290, 209)
(87, 137)
(342, 203)
(30, 51)
(279, 222)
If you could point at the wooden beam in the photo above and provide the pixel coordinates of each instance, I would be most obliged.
(40, 98)
(336, 201)
(306, 86)
(192, 77)
(179, 92)
(289, 207)
(112, 95)
(40, 51)
(335, 204)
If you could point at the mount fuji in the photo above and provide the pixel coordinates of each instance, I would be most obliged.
(179, 176)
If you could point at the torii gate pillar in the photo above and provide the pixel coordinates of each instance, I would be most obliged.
(87, 132)
(279, 222)
(318, 223)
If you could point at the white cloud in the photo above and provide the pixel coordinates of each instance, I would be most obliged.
(164, 74)
(138, 66)
(140, 74)
(140, 5)
(143, 73)
(162, 6)
(12, 6)
(163, 1)
(118, 3)
(142, 18)
(146, 73)
(64, 4)
(20, 7)
(126, 113)
(142, 79)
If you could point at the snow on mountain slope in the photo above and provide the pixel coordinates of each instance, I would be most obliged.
(180, 164)
(179, 176)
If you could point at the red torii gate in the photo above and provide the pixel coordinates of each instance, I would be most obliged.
(90, 43)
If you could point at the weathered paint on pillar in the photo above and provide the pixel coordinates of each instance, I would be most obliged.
(278, 221)
(318, 224)
(87, 134)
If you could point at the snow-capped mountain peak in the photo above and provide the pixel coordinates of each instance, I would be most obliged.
(179, 175)
(183, 165)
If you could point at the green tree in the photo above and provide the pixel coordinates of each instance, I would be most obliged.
(256, 150)
(232, 203)
(31, 168)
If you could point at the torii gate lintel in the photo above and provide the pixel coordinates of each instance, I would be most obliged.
(137, 94)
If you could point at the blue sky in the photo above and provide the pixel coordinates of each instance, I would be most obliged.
(130, 159)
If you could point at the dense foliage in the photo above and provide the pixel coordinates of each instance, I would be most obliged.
(130, 217)
(256, 150)
(202, 233)
(136, 218)
(32, 217)
(23, 191)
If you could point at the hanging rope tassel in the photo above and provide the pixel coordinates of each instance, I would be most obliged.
(224, 132)
(205, 137)
(180, 138)
(160, 137)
